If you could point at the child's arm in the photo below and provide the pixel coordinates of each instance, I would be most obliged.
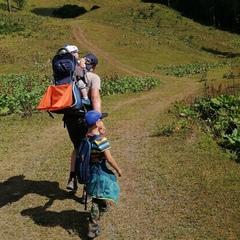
(112, 162)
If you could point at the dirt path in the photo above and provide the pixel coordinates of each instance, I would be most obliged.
(86, 43)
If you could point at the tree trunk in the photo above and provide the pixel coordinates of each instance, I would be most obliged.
(9, 5)
(236, 16)
(213, 16)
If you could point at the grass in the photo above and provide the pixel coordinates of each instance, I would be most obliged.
(174, 186)
(142, 42)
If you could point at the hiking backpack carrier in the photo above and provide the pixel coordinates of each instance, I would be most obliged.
(63, 66)
(63, 96)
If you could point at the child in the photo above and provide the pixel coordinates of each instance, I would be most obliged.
(103, 185)
(81, 65)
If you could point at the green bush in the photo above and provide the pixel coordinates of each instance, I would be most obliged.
(128, 84)
(189, 69)
(21, 3)
(21, 24)
(10, 25)
(21, 93)
(221, 117)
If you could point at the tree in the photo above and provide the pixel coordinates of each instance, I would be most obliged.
(237, 15)
(222, 14)
(9, 5)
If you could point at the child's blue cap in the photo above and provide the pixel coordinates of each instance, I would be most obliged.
(91, 117)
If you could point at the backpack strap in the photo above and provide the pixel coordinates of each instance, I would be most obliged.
(91, 139)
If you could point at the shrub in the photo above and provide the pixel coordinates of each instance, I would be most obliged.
(220, 116)
(8, 26)
(189, 69)
(21, 93)
(21, 3)
(128, 84)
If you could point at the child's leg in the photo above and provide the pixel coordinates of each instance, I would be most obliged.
(82, 86)
(93, 226)
(103, 207)
(85, 99)
(84, 93)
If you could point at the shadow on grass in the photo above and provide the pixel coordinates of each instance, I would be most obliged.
(66, 11)
(15, 188)
(46, 12)
(65, 219)
(225, 54)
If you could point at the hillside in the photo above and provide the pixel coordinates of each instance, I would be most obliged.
(177, 186)
(140, 35)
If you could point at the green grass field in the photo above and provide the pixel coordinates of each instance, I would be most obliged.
(174, 186)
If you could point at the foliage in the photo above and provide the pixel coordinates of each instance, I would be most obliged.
(221, 117)
(20, 23)
(21, 3)
(128, 84)
(189, 69)
(3, 6)
(22, 93)
(10, 25)
(218, 13)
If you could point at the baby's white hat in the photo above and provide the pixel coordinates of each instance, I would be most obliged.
(71, 48)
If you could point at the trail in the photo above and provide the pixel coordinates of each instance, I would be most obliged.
(86, 43)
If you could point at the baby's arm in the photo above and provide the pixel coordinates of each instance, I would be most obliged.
(112, 162)
(82, 63)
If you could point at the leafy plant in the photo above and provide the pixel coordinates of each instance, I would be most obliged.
(128, 84)
(184, 111)
(221, 116)
(22, 93)
(10, 26)
(232, 141)
(21, 3)
(189, 69)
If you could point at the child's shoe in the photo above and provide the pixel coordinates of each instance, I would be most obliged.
(86, 101)
(94, 231)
